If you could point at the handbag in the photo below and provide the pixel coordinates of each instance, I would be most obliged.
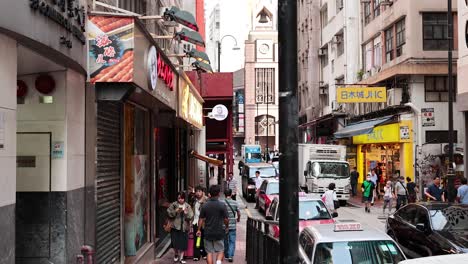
(168, 225)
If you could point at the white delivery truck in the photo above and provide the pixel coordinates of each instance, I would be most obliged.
(320, 165)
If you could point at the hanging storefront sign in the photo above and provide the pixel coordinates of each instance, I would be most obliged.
(219, 112)
(361, 94)
(111, 43)
(427, 117)
(152, 61)
(399, 132)
(190, 107)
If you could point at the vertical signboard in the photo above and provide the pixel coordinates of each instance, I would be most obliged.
(111, 43)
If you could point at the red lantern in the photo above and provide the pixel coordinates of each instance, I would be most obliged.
(45, 84)
(21, 89)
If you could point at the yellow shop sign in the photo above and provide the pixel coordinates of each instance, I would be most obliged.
(399, 132)
(361, 94)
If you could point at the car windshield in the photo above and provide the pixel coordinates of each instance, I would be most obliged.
(313, 210)
(256, 156)
(330, 170)
(365, 252)
(451, 218)
(265, 172)
(272, 188)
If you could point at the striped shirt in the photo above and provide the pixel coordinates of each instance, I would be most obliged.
(232, 213)
(232, 184)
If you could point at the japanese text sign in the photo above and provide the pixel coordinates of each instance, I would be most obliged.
(361, 94)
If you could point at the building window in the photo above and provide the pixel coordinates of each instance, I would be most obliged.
(389, 44)
(339, 5)
(339, 45)
(324, 56)
(400, 37)
(324, 16)
(436, 88)
(435, 31)
(367, 13)
(377, 54)
(265, 86)
(376, 8)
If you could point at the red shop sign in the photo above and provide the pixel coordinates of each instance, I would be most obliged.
(165, 73)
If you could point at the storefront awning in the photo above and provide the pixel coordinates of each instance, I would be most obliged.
(204, 158)
(360, 128)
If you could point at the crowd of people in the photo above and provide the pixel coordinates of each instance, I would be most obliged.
(206, 219)
(402, 191)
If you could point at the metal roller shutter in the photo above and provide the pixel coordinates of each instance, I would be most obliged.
(108, 183)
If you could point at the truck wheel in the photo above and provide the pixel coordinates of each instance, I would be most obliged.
(343, 202)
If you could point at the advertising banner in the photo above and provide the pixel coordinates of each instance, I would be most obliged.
(356, 94)
(428, 118)
(111, 44)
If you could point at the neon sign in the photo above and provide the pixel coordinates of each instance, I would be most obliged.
(165, 73)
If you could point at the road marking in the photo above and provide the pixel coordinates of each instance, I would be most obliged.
(248, 212)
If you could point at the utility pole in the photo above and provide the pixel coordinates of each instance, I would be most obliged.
(451, 173)
(288, 135)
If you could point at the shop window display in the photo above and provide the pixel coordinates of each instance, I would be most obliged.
(385, 158)
(137, 185)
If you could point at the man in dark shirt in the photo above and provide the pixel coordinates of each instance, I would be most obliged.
(434, 192)
(215, 220)
(412, 190)
(354, 181)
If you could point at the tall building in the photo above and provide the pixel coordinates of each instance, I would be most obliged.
(261, 78)
(462, 71)
(328, 58)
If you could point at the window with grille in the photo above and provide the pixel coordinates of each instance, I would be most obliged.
(400, 37)
(377, 8)
(340, 45)
(436, 88)
(435, 31)
(367, 13)
(265, 85)
(324, 16)
(324, 57)
(389, 44)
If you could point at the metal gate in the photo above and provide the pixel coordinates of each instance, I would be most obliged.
(108, 183)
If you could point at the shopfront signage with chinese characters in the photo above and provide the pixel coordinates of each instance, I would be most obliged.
(165, 73)
(111, 44)
(191, 109)
(428, 118)
(361, 94)
(64, 12)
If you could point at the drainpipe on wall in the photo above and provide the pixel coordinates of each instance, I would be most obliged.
(418, 148)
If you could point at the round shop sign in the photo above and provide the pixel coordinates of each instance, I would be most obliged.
(219, 112)
(152, 61)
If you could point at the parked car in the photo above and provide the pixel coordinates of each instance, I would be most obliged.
(428, 229)
(312, 211)
(248, 177)
(266, 193)
(347, 242)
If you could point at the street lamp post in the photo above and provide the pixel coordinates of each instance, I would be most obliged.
(450, 174)
(219, 49)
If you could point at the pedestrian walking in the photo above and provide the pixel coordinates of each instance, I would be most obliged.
(258, 183)
(234, 217)
(181, 213)
(200, 199)
(368, 192)
(388, 197)
(435, 192)
(214, 218)
(375, 180)
(232, 185)
(462, 192)
(354, 181)
(412, 190)
(401, 192)
(329, 198)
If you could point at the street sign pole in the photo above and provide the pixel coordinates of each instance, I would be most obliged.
(288, 135)
(451, 174)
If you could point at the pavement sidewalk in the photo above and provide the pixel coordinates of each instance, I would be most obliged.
(239, 256)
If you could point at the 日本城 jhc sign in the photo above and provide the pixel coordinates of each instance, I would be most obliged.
(361, 95)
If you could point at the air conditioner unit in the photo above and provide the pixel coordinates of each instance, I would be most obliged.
(322, 52)
(386, 3)
(335, 106)
(323, 90)
(337, 39)
(394, 96)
